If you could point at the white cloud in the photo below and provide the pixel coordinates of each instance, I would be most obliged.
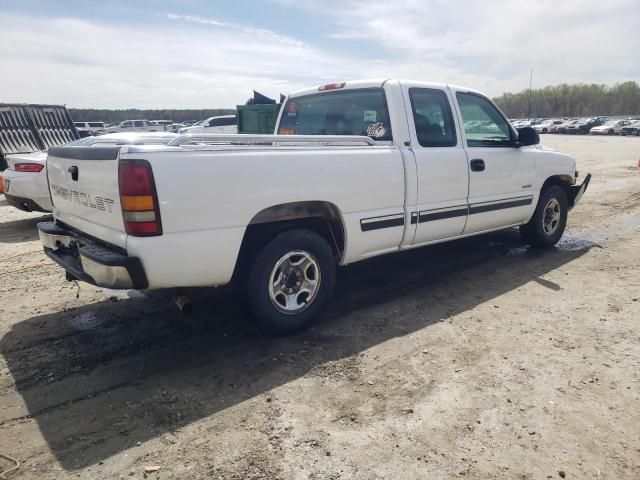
(197, 61)
(189, 62)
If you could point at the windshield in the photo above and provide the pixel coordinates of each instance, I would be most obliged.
(345, 112)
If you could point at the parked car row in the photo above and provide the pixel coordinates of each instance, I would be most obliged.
(583, 126)
(219, 124)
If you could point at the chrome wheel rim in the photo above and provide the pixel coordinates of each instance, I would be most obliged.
(294, 282)
(552, 216)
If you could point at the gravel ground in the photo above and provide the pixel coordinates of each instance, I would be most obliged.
(476, 359)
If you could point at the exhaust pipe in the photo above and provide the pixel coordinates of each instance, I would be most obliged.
(182, 300)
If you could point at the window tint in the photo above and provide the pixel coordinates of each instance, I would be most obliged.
(127, 125)
(79, 124)
(432, 117)
(138, 123)
(483, 123)
(221, 122)
(96, 124)
(345, 112)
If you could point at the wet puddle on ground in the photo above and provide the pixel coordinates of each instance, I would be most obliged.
(584, 239)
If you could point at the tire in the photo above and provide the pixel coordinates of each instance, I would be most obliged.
(610, 132)
(549, 219)
(299, 258)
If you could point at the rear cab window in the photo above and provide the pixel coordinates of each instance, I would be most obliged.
(361, 112)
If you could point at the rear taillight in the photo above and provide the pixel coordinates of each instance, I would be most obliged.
(138, 199)
(28, 167)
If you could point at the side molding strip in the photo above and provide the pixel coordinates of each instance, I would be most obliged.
(387, 221)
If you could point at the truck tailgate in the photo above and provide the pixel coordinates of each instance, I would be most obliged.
(84, 190)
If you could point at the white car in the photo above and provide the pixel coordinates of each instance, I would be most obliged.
(135, 126)
(25, 182)
(612, 127)
(223, 124)
(25, 179)
(90, 128)
(547, 125)
(357, 169)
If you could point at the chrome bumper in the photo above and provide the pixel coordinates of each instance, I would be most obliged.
(86, 260)
(577, 191)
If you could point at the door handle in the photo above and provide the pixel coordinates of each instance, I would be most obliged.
(477, 165)
(74, 172)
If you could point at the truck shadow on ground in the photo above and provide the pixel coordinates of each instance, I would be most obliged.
(21, 230)
(102, 377)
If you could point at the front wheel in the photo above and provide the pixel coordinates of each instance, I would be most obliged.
(549, 219)
(291, 281)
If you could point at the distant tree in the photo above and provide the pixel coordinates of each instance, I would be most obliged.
(579, 99)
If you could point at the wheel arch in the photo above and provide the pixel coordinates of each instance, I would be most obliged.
(325, 218)
(563, 181)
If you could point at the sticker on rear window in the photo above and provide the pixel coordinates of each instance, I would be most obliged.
(370, 115)
(376, 130)
(293, 109)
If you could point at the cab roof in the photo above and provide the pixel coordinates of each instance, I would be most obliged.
(376, 83)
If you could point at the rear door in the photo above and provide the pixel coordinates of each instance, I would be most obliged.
(441, 163)
(84, 190)
(500, 174)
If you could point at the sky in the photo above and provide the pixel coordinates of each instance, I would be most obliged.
(213, 53)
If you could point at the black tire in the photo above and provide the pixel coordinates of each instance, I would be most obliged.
(534, 233)
(271, 318)
(610, 132)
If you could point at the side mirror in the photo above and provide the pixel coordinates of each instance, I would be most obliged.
(527, 136)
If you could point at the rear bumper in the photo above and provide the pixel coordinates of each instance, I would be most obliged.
(86, 260)
(30, 191)
(24, 204)
(577, 191)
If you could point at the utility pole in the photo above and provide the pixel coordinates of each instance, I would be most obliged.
(530, 82)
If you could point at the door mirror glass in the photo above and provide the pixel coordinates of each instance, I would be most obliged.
(527, 136)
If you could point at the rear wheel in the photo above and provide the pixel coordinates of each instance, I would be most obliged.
(291, 281)
(549, 219)
(610, 132)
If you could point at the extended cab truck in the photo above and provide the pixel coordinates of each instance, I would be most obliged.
(357, 169)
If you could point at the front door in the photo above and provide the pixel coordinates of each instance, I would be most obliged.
(441, 165)
(500, 173)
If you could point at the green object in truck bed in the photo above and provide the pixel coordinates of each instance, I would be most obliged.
(257, 119)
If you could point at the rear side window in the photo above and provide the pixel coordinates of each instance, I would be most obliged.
(484, 125)
(138, 123)
(432, 117)
(96, 124)
(345, 112)
(79, 124)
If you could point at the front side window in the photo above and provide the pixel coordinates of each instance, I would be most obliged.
(126, 125)
(345, 112)
(432, 117)
(484, 125)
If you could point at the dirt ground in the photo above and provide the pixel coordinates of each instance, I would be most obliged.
(476, 359)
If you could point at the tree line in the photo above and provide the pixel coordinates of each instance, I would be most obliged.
(113, 116)
(577, 100)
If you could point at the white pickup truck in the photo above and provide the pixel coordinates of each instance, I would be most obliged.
(356, 169)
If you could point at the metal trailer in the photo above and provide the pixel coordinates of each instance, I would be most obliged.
(26, 128)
